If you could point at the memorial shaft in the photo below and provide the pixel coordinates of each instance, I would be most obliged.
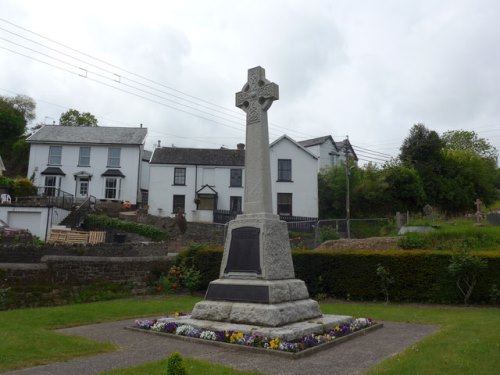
(255, 99)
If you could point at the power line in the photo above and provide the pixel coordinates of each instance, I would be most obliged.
(134, 74)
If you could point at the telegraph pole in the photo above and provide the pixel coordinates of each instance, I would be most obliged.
(347, 199)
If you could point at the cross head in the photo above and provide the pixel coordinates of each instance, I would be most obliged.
(257, 95)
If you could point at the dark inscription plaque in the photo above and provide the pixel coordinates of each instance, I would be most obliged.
(238, 293)
(244, 254)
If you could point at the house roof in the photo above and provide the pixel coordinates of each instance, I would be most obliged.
(146, 155)
(284, 136)
(340, 147)
(56, 171)
(316, 141)
(198, 156)
(113, 173)
(88, 134)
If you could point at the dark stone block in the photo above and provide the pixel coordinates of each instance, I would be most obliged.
(244, 251)
(238, 293)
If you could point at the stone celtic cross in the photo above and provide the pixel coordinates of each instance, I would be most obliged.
(255, 99)
(257, 95)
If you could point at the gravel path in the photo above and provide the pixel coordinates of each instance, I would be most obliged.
(352, 357)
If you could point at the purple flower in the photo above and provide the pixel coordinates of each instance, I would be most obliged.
(170, 327)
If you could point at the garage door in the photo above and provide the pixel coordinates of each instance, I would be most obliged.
(27, 220)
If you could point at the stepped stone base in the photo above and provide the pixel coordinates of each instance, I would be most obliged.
(257, 291)
(286, 332)
(267, 315)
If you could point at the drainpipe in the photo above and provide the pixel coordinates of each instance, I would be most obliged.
(195, 181)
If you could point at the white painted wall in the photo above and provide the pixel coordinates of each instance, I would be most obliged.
(162, 189)
(304, 185)
(38, 220)
(129, 165)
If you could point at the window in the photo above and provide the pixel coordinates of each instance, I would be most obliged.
(285, 204)
(112, 188)
(235, 204)
(55, 154)
(179, 203)
(179, 176)
(50, 185)
(284, 170)
(236, 177)
(84, 157)
(207, 202)
(114, 157)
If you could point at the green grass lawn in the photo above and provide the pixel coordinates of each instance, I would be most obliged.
(468, 342)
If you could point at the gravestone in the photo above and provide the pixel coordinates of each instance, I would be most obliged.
(257, 283)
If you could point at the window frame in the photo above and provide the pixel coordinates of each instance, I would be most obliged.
(116, 188)
(280, 204)
(113, 158)
(81, 157)
(239, 204)
(179, 177)
(284, 170)
(178, 196)
(53, 155)
(236, 181)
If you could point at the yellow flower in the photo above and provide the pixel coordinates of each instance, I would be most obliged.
(274, 343)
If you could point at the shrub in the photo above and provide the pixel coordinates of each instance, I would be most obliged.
(175, 365)
(328, 233)
(102, 221)
(385, 280)
(411, 240)
(466, 268)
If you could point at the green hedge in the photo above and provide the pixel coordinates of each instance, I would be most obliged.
(105, 222)
(419, 276)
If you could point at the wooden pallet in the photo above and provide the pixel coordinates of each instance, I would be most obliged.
(76, 237)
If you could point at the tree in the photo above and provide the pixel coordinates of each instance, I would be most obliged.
(421, 147)
(15, 113)
(72, 117)
(466, 269)
(405, 188)
(465, 140)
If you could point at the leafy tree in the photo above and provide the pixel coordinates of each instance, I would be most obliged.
(405, 188)
(24, 104)
(465, 177)
(369, 195)
(72, 117)
(15, 113)
(421, 147)
(465, 140)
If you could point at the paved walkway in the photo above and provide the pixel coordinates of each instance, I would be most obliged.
(352, 357)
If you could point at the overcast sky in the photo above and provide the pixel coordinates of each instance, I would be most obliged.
(366, 69)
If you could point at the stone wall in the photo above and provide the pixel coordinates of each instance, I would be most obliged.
(62, 279)
(34, 254)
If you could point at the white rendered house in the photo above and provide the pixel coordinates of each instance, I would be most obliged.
(199, 181)
(329, 152)
(104, 162)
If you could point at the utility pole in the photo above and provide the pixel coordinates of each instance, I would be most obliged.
(347, 200)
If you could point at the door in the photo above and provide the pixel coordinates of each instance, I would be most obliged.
(82, 187)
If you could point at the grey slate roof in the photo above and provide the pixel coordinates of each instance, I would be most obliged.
(146, 155)
(86, 134)
(198, 156)
(315, 141)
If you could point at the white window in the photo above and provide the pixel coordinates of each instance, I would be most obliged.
(114, 157)
(84, 157)
(55, 155)
(179, 176)
(112, 188)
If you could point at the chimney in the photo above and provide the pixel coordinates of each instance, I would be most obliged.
(159, 143)
(240, 146)
(141, 126)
